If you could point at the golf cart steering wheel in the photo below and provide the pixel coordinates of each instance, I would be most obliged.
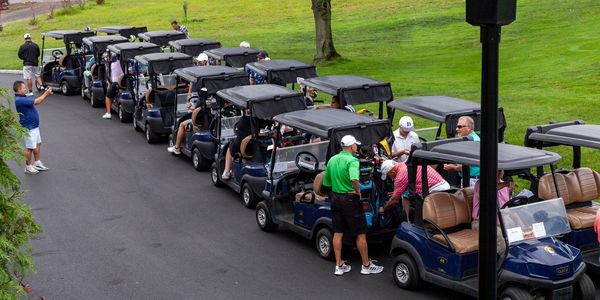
(194, 100)
(516, 201)
(148, 84)
(307, 162)
(57, 54)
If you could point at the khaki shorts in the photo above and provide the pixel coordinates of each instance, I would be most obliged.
(30, 72)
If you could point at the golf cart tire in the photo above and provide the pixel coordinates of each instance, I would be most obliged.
(136, 127)
(151, 136)
(124, 116)
(249, 198)
(405, 272)
(515, 293)
(65, 88)
(93, 101)
(39, 87)
(324, 243)
(214, 176)
(264, 219)
(584, 289)
(198, 161)
(83, 94)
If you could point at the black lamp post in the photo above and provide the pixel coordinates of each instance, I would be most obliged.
(490, 15)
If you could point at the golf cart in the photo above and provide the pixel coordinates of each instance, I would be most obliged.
(200, 143)
(62, 68)
(578, 187)
(124, 101)
(445, 111)
(154, 112)
(260, 103)
(438, 246)
(129, 32)
(4, 4)
(236, 57)
(353, 90)
(281, 71)
(193, 47)
(97, 45)
(294, 196)
(161, 37)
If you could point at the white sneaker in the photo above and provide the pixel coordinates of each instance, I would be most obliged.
(40, 166)
(31, 170)
(174, 150)
(371, 268)
(106, 116)
(340, 270)
(30, 94)
(226, 175)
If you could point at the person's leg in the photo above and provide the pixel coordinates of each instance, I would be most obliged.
(28, 156)
(337, 247)
(36, 153)
(86, 78)
(29, 85)
(108, 104)
(228, 163)
(363, 248)
(180, 134)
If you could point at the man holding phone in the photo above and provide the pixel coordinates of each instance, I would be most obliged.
(29, 118)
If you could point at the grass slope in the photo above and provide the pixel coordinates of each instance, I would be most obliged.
(549, 57)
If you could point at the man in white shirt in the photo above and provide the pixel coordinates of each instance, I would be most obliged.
(404, 137)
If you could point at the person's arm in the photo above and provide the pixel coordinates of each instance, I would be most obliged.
(41, 98)
(21, 52)
(394, 200)
(356, 186)
(453, 167)
(354, 175)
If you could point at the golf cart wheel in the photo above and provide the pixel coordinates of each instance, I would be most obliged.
(93, 101)
(406, 273)
(515, 293)
(135, 126)
(263, 218)
(83, 94)
(151, 136)
(200, 163)
(124, 116)
(324, 243)
(215, 177)
(65, 88)
(249, 198)
(38, 86)
(584, 289)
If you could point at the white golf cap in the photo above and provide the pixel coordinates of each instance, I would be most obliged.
(202, 57)
(27, 36)
(386, 167)
(406, 123)
(349, 140)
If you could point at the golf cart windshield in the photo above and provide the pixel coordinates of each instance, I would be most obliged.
(182, 100)
(534, 221)
(52, 54)
(285, 158)
(228, 127)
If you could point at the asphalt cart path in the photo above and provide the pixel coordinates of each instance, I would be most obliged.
(124, 219)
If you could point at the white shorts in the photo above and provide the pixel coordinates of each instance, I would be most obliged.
(30, 72)
(33, 139)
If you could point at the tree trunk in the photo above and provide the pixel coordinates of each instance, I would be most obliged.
(324, 39)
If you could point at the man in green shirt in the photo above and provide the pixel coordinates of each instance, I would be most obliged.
(342, 174)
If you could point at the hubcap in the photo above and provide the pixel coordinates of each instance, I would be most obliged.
(147, 133)
(63, 88)
(214, 176)
(402, 273)
(120, 113)
(195, 159)
(261, 216)
(323, 245)
(246, 196)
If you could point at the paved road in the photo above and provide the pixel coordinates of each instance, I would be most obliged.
(126, 220)
(21, 9)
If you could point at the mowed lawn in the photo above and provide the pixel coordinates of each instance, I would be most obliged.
(550, 57)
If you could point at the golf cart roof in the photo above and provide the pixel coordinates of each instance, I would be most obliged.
(575, 133)
(285, 69)
(264, 100)
(161, 37)
(352, 89)
(99, 43)
(128, 51)
(213, 78)
(236, 57)
(125, 31)
(194, 47)
(162, 63)
(434, 108)
(466, 152)
(69, 36)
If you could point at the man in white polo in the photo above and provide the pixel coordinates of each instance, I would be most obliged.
(404, 137)
(29, 53)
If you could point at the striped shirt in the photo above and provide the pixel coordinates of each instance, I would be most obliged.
(401, 180)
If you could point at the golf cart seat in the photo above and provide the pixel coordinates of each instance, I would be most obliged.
(62, 61)
(467, 194)
(450, 215)
(94, 70)
(122, 82)
(578, 189)
(245, 148)
(200, 119)
(316, 194)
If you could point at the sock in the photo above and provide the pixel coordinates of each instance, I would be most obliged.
(37, 162)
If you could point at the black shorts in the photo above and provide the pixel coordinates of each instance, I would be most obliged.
(111, 91)
(347, 214)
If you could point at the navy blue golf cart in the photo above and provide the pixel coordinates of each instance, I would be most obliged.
(260, 103)
(294, 196)
(579, 187)
(129, 32)
(156, 94)
(161, 37)
(124, 102)
(236, 57)
(200, 143)
(97, 45)
(193, 47)
(281, 71)
(437, 245)
(62, 68)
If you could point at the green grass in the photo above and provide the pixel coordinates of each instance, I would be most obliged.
(549, 56)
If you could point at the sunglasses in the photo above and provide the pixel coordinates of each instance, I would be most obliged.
(461, 126)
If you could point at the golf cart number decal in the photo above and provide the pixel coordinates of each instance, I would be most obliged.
(550, 250)
(442, 260)
(563, 270)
